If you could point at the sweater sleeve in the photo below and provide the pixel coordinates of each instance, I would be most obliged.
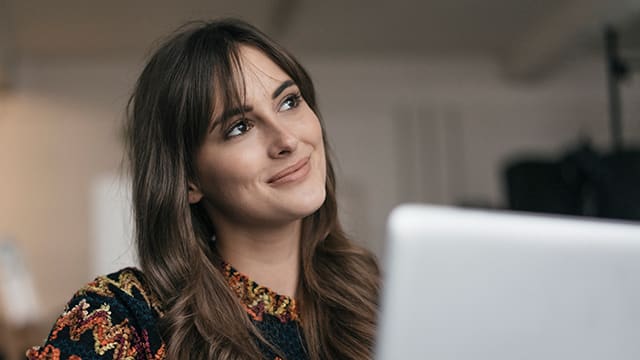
(113, 317)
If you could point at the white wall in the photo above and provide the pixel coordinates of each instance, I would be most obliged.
(58, 131)
(439, 130)
(447, 122)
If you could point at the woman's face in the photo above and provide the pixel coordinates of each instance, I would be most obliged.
(266, 167)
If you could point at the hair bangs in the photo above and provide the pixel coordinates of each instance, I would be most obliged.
(228, 89)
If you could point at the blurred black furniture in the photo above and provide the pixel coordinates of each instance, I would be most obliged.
(583, 181)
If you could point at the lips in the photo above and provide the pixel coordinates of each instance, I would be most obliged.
(291, 173)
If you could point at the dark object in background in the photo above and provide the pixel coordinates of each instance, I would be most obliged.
(539, 186)
(618, 194)
(581, 182)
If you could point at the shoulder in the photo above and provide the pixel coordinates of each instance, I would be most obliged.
(127, 285)
(114, 316)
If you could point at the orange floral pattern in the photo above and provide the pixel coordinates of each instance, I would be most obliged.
(118, 341)
(115, 317)
(259, 300)
(127, 282)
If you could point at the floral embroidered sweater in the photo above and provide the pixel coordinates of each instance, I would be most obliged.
(116, 317)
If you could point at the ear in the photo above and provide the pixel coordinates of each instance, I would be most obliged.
(194, 194)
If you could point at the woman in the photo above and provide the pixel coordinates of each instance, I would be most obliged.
(232, 187)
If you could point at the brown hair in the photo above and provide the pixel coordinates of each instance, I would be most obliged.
(168, 115)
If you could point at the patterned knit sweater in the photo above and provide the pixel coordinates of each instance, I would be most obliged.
(116, 317)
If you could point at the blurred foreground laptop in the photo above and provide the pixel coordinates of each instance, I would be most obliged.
(468, 284)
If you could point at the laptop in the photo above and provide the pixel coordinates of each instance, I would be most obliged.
(467, 284)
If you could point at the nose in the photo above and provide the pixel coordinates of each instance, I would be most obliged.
(282, 142)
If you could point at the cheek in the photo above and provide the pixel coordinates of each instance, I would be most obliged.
(313, 131)
(314, 136)
(227, 169)
(321, 162)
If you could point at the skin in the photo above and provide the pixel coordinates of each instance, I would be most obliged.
(260, 175)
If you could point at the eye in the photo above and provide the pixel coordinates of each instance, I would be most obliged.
(239, 128)
(290, 102)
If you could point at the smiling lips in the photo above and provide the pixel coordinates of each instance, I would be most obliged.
(292, 173)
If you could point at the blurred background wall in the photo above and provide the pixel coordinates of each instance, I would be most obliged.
(422, 100)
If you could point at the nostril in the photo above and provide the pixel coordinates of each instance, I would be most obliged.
(284, 152)
(283, 142)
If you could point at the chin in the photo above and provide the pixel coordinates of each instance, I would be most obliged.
(319, 201)
(310, 203)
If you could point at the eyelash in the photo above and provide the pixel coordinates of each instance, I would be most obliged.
(243, 121)
(296, 98)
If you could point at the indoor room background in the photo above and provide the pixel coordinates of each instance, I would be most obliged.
(423, 101)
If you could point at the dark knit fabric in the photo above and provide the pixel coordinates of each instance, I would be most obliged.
(116, 317)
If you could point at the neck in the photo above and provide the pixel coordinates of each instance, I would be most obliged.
(268, 256)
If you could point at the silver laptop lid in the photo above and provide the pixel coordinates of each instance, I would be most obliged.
(462, 284)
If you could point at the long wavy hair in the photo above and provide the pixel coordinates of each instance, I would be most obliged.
(168, 116)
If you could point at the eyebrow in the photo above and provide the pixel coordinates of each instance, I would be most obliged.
(281, 88)
(245, 109)
(228, 114)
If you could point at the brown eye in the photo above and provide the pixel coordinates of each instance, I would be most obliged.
(239, 128)
(290, 102)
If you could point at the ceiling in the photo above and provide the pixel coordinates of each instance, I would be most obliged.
(525, 37)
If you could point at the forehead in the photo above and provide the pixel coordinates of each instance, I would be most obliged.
(252, 77)
(258, 70)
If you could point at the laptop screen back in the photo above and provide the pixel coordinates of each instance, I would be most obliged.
(465, 284)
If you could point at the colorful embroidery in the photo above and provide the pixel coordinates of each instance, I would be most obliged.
(259, 300)
(89, 324)
(122, 339)
(48, 353)
(127, 281)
